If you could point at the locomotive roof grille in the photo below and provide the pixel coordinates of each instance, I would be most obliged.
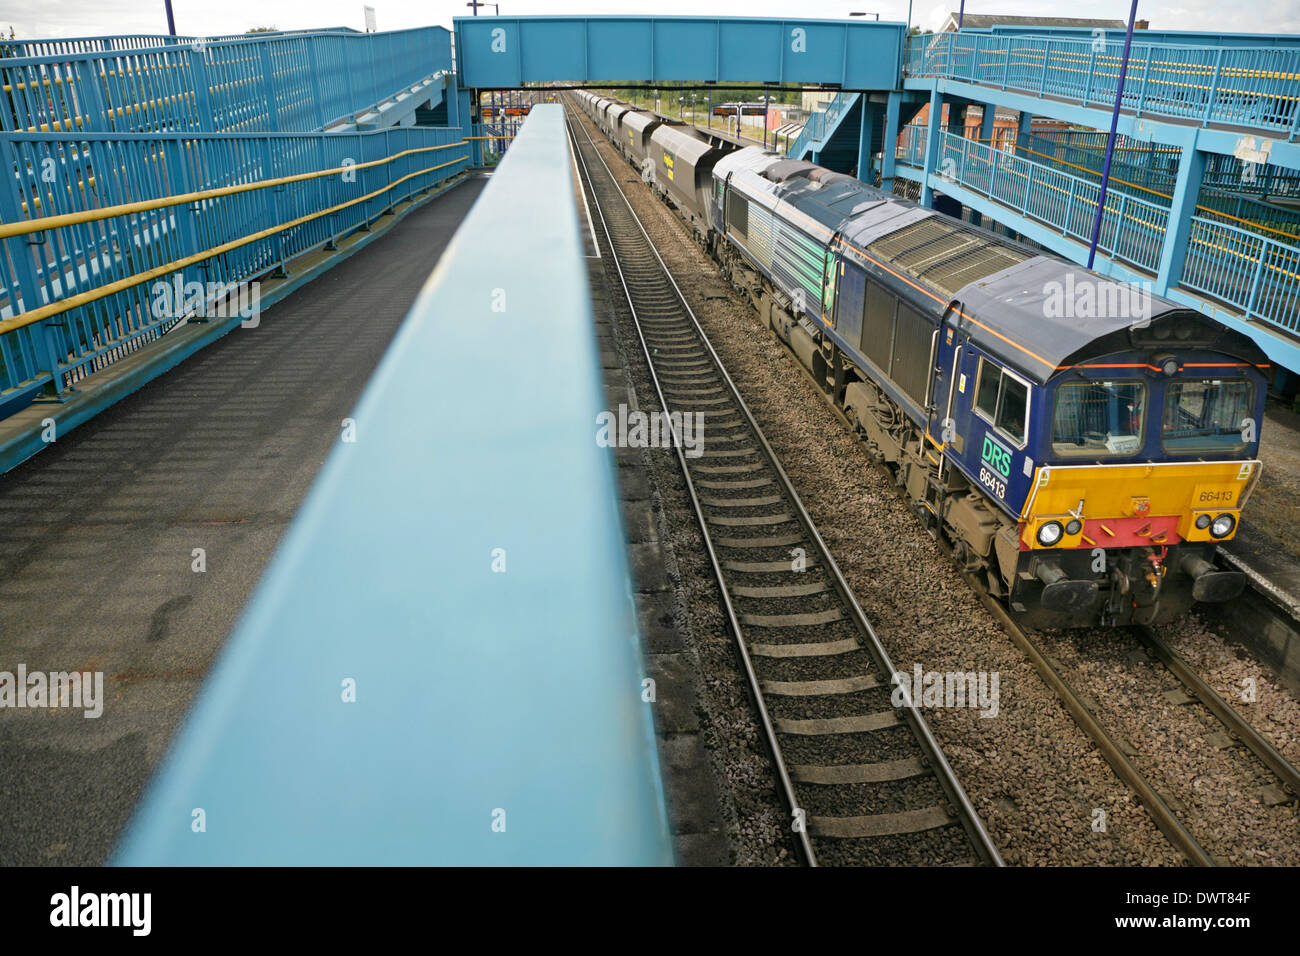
(970, 267)
(945, 256)
(1003, 287)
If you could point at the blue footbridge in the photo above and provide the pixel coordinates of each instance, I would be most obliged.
(358, 595)
(1011, 123)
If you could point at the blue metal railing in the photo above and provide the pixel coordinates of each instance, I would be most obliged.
(1156, 165)
(1132, 229)
(1275, 222)
(290, 82)
(135, 41)
(202, 239)
(495, 137)
(1158, 183)
(1255, 274)
(1256, 87)
(1258, 275)
(822, 123)
(1139, 163)
(1183, 37)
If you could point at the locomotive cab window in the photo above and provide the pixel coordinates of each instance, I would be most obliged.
(1206, 416)
(1002, 400)
(1099, 419)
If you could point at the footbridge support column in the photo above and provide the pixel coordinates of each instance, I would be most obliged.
(988, 113)
(1187, 189)
(889, 144)
(933, 127)
(868, 127)
(1024, 131)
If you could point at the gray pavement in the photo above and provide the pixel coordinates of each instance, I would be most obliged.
(98, 534)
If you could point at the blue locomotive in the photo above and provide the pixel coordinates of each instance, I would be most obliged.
(1080, 443)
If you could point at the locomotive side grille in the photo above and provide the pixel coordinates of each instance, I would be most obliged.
(944, 255)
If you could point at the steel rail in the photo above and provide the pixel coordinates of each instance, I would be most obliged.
(1160, 812)
(1236, 725)
(958, 800)
(769, 729)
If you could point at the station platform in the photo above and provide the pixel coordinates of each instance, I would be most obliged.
(98, 569)
(1274, 507)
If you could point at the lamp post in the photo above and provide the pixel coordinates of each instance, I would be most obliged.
(858, 13)
(1110, 141)
(475, 4)
(767, 105)
(171, 20)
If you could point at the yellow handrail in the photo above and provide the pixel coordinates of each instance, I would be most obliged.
(32, 316)
(108, 212)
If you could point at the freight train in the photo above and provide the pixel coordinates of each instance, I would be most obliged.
(1081, 445)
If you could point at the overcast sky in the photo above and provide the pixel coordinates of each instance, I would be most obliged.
(63, 18)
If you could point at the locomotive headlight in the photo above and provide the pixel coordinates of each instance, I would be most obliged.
(1050, 533)
(1203, 521)
(1073, 526)
(1170, 367)
(1222, 526)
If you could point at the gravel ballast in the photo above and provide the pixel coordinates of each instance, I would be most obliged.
(1037, 781)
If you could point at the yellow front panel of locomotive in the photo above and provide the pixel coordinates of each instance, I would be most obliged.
(1138, 491)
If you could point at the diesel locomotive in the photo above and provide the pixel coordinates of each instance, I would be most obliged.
(1080, 444)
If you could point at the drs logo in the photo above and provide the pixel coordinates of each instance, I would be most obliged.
(997, 457)
(995, 468)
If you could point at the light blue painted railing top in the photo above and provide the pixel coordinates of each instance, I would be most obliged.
(1258, 87)
(275, 82)
(511, 698)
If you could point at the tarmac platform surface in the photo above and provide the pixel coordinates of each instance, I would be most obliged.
(99, 532)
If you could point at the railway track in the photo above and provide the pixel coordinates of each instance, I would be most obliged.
(1115, 752)
(865, 781)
